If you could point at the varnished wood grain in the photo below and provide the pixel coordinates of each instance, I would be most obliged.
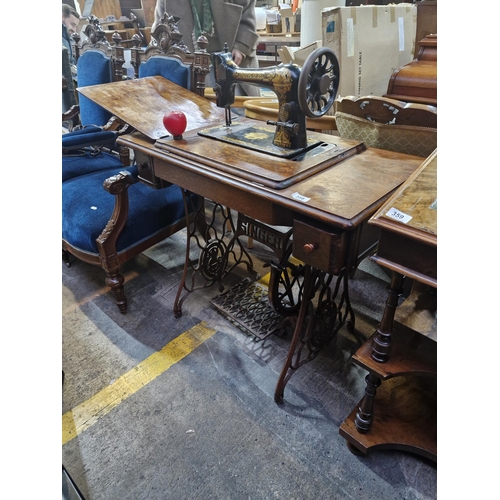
(149, 11)
(143, 102)
(417, 80)
(403, 365)
(412, 354)
(406, 419)
(385, 110)
(341, 196)
(257, 166)
(417, 198)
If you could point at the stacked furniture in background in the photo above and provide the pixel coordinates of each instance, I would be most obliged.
(417, 80)
(390, 124)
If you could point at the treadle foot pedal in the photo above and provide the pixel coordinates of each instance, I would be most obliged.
(247, 306)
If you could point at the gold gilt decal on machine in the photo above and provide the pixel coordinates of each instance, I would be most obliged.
(281, 80)
(256, 136)
(282, 139)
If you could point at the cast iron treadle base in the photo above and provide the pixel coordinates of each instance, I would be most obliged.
(246, 304)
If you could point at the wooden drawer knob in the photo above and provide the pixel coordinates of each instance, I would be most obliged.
(310, 247)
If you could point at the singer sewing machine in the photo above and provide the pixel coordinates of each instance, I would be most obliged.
(307, 91)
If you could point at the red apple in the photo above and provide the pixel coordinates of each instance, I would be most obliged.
(175, 122)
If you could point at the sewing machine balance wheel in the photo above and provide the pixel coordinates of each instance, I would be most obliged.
(318, 82)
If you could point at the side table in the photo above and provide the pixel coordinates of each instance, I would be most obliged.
(398, 409)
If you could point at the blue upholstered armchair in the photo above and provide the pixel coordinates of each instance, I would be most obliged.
(97, 130)
(108, 217)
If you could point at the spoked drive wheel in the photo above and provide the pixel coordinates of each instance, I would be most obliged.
(285, 285)
(318, 82)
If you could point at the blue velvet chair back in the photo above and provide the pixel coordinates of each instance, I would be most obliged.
(169, 67)
(93, 68)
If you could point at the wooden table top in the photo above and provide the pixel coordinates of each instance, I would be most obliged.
(412, 210)
(339, 193)
(143, 102)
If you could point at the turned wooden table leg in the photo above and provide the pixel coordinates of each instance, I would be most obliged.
(364, 415)
(382, 340)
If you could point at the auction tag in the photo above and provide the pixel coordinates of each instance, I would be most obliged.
(395, 214)
(297, 196)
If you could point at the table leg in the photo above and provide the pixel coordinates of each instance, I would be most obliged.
(315, 329)
(364, 415)
(382, 340)
(381, 349)
(208, 232)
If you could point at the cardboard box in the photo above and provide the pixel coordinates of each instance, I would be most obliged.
(297, 55)
(370, 42)
(288, 24)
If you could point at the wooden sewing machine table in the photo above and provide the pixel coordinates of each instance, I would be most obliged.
(326, 196)
(399, 407)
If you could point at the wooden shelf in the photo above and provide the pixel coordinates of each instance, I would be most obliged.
(412, 353)
(398, 409)
(405, 418)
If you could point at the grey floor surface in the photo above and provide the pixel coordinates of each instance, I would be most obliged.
(208, 427)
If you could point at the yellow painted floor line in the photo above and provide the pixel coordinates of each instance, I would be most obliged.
(89, 412)
(265, 279)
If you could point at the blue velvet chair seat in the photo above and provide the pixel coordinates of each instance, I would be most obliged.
(87, 208)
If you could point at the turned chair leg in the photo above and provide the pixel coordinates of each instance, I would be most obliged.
(115, 282)
(65, 258)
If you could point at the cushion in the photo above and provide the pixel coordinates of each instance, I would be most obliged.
(93, 68)
(418, 141)
(170, 68)
(87, 208)
(88, 136)
(89, 129)
(86, 163)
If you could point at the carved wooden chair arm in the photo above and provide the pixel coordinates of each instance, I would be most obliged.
(117, 185)
(71, 113)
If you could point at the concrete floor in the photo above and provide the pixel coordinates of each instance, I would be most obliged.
(206, 426)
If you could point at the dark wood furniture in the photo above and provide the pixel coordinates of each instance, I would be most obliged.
(388, 111)
(426, 20)
(399, 407)
(390, 124)
(417, 80)
(314, 196)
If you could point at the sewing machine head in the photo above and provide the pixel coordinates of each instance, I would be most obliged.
(307, 91)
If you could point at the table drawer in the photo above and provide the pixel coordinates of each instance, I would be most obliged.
(323, 249)
(146, 170)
